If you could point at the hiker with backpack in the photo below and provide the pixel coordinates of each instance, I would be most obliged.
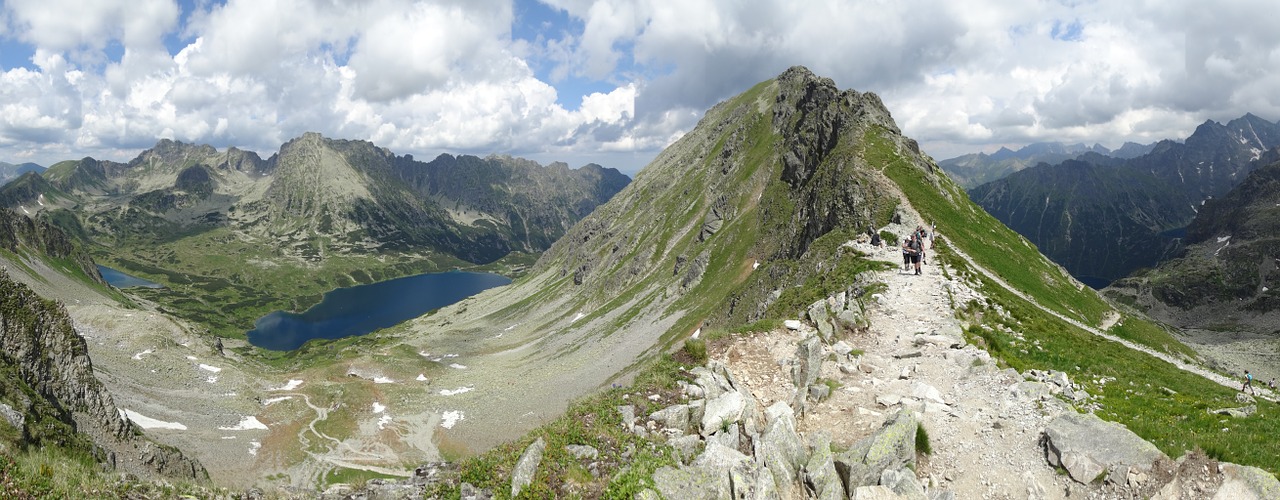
(921, 234)
(1248, 382)
(912, 250)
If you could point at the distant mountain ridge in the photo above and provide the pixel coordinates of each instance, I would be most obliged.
(1229, 272)
(1103, 217)
(357, 196)
(9, 171)
(979, 168)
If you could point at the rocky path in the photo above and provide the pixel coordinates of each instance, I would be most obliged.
(1110, 321)
(984, 431)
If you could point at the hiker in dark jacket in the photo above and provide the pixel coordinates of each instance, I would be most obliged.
(915, 250)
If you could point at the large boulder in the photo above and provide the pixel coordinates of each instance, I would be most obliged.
(1086, 446)
(527, 466)
(674, 417)
(717, 473)
(808, 362)
(820, 475)
(722, 412)
(820, 315)
(891, 447)
(780, 448)
(1247, 483)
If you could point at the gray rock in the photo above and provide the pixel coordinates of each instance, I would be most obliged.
(470, 492)
(842, 349)
(722, 411)
(903, 482)
(728, 437)
(527, 466)
(628, 413)
(921, 390)
(792, 324)
(870, 363)
(821, 319)
(1059, 379)
(697, 408)
(1242, 412)
(712, 475)
(686, 446)
(820, 471)
(14, 417)
(808, 362)
(851, 319)
(582, 452)
(1086, 446)
(873, 493)
(780, 448)
(819, 392)
(938, 340)
(1247, 483)
(648, 494)
(674, 417)
(893, 446)
(1029, 391)
(1245, 399)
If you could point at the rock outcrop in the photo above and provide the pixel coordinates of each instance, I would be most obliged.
(1087, 446)
(51, 361)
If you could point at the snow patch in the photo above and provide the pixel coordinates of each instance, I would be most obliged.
(293, 384)
(1223, 238)
(276, 400)
(228, 437)
(383, 421)
(138, 356)
(451, 418)
(697, 333)
(254, 446)
(146, 422)
(578, 317)
(213, 379)
(383, 380)
(509, 328)
(210, 369)
(40, 199)
(457, 366)
(422, 377)
(378, 408)
(24, 210)
(192, 358)
(454, 392)
(247, 423)
(755, 265)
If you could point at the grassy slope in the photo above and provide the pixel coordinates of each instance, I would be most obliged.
(1175, 423)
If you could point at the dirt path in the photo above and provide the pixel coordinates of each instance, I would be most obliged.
(985, 436)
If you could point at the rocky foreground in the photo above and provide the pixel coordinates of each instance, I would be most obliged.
(883, 401)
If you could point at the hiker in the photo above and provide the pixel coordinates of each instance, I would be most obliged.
(875, 240)
(916, 248)
(921, 234)
(1248, 382)
(906, 253)
(1272, 384)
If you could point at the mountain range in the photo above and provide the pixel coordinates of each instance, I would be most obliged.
(9, 171)
(1103, 217)
(975, 169)
(318, 214)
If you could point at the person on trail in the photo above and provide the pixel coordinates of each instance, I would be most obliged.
(906, 254)
(1272, 384)
(916, 248)
(875, 240)
(921, 235)
(1248, 382)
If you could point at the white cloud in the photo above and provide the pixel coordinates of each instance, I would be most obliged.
(425, 77)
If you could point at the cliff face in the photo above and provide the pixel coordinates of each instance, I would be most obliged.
(61, 402)
(38, 238)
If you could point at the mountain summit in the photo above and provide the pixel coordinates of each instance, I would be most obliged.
(720, 229)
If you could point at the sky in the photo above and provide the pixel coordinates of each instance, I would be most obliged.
(611, 81)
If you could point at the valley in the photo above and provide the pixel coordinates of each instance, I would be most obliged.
(749, 232)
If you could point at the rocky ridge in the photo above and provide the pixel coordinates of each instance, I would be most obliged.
(38, 342)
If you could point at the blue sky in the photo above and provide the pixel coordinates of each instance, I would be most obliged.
(611, 81)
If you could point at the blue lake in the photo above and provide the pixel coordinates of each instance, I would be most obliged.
(363, 309)
(121, 280)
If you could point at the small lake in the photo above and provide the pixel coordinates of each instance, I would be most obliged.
(362, 309)
(119, 279)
